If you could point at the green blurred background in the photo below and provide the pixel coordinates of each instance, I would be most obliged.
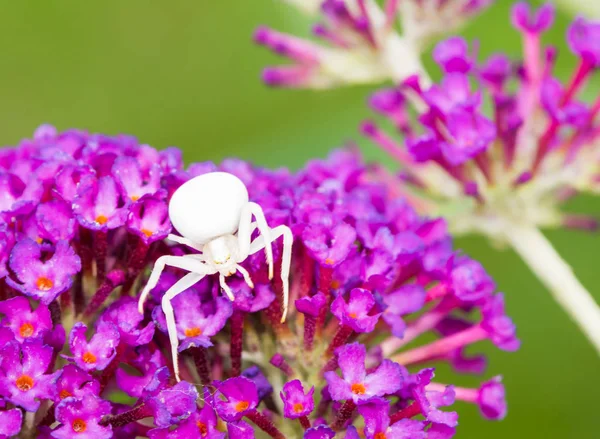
(185, 73)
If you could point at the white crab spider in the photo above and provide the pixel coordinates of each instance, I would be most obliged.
(213, 214)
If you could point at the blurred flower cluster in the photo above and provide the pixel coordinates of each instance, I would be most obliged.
(83, 218)
(496, 147)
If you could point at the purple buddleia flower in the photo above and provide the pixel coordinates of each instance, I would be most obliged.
(235, 398)
(358, 385)
(10, 423)
(74, 382)
(42, 280)
(81, 418)
(240, 430)
(200, 424)
(99, 351)
(329, 246)
(377, 422)
(530, 21)
(99, 205)
(124, 315)
(357, 312)
(146, 363)
(23, 378)
(405, 300)
(263, 386)
(296, 403)
(131, 181)
(148, 218)
(320, 432)
(25, 323)
(169, 404)
(452, 55)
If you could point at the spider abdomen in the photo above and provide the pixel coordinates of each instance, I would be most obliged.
(208, 206)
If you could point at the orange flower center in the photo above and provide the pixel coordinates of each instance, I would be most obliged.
(43, 283)
(358, 389)
(101, 219)
(298, 407)
(26, 330)
(64, 393)
(89, 358)
(352, 315)
(241, 406)
(24, 383)
(380, 435)
(39, 240)
(79, 426)
(135, 197)
(193, 332)
(147, 232)
(329, 261)
(335, 284)
(202, 428)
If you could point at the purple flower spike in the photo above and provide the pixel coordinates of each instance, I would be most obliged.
(200, 424)
(355, 383)
(125, 316)
(356, 313)
(582, 37)
(23, 379)
(131, 181)
(25, 323)
(149, 219)
(320, 432)
(452, 55)
(80, 418)
(533, 22)
(430, 401)
(471, 133)
(99, 205)
(55, 221)
(74, 382)
(295, 402)
(329, 246)
(235, 398)
(42, 280)
(169, 404)
(99, 351)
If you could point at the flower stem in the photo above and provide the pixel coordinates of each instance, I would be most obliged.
(558, 277)
(265, 424)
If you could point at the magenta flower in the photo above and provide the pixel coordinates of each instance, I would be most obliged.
(98, 205)
(200, 424)
(133, 330)
(148, 218)
(235, 398)
(357, 312)
(23, 378)
(320, 432)
(296, 403)
(133, 183)
(25, 323)
(42, 280)
(358, 385)
(377, 422)
(81, 418)
(55, 221)
(74, 382)
(99, 351)
(146, 363)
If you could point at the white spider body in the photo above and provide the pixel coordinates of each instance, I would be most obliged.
(214, 217)
(208, 206)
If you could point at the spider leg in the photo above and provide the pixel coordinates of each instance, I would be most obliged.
(184, 241)
(188, 263)
(226, 288)
(245, 274)
(286, 259)
(245, 233)
(181, 285)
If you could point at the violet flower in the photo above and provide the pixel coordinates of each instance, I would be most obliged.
(99, 351)
(81, 418)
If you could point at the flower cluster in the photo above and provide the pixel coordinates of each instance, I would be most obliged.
(84, 217)
(538, 147)
(362, 44)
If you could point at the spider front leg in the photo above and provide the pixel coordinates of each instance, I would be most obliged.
(181, 285)
(245, 229)
(188, 263)
(286, 259)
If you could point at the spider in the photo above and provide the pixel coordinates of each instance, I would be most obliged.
(213, 214)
